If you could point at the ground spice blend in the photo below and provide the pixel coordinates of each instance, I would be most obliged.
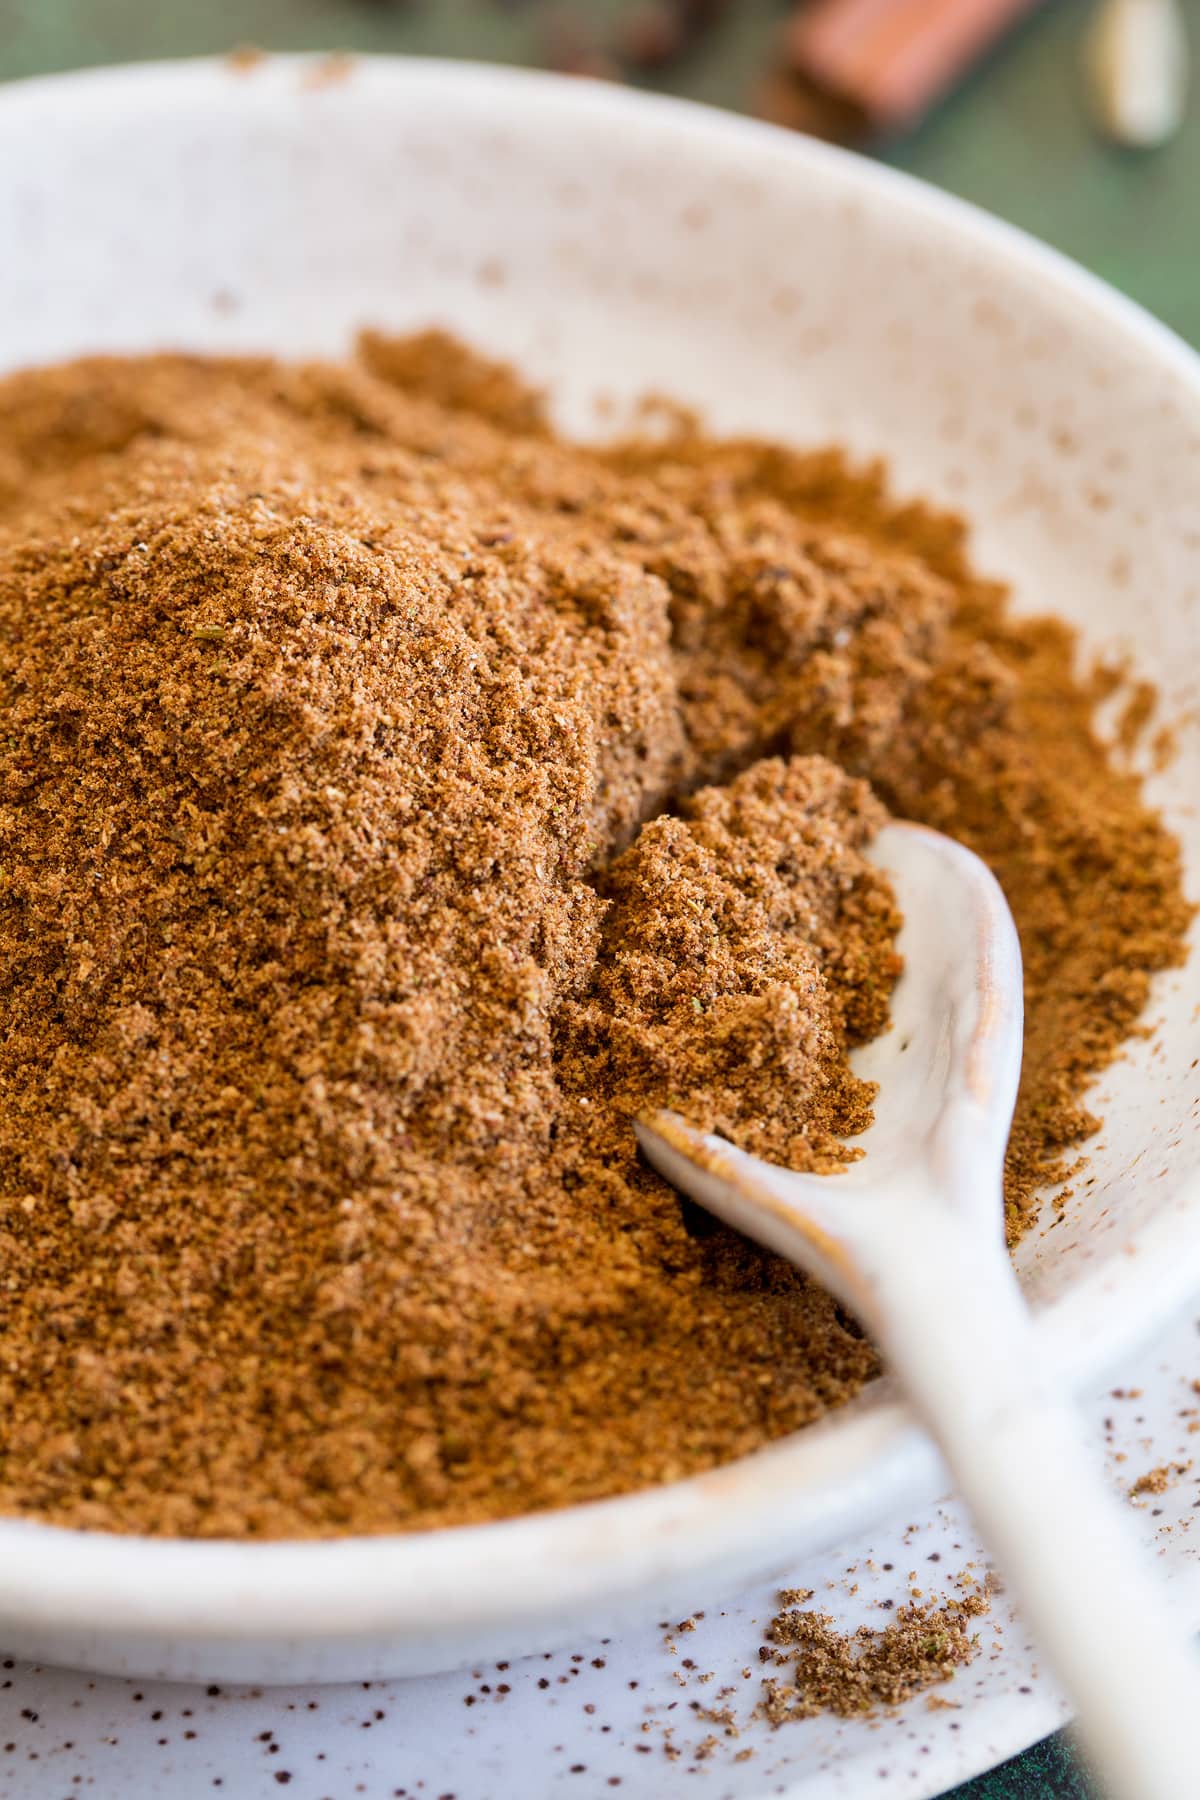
(393, 800)
(856, 1674)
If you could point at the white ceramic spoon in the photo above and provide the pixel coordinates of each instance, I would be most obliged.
(910, 1238)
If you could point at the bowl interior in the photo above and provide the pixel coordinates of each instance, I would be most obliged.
(610, 245)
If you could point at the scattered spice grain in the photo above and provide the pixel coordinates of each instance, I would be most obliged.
(1157, 1481)
(859, 1672)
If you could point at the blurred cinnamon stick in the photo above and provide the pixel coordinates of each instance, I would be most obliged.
(890, 60)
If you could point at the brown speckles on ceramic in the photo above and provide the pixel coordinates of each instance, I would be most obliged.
(328, 71)
(492, 273)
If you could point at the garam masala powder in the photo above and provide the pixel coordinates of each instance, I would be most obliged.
(394, 800)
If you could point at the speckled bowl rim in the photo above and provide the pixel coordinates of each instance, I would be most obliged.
(813, 1488)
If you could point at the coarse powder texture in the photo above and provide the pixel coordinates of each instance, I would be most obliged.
(857, 1673)
(394, 799)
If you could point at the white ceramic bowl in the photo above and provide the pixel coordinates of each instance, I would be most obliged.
(612, 243)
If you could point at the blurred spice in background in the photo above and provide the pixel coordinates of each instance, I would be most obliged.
(845, 69)
(858, 70)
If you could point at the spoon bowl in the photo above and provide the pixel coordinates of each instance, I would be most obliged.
(947, 1071)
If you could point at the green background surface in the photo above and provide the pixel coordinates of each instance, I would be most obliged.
(1015, 139)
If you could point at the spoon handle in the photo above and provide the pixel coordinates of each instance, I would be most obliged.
(958, 1334)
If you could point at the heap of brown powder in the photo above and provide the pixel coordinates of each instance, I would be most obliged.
(393, 799)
